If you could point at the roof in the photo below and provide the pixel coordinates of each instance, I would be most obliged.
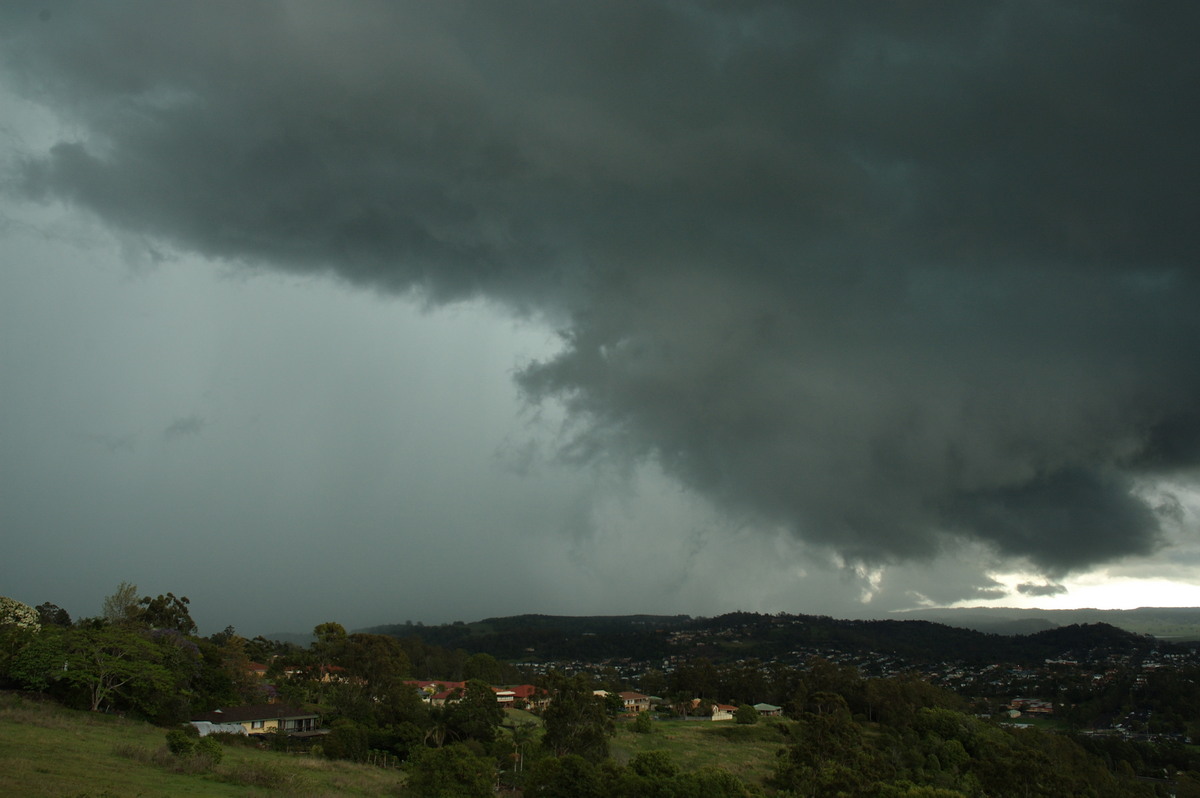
(259, 712)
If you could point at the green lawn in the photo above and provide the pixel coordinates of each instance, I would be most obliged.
(46, 750)
(749, 752)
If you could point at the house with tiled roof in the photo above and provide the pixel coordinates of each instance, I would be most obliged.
(635, 702)
(526, 695)
(439, 692)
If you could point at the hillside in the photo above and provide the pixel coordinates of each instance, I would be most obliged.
(46, 750)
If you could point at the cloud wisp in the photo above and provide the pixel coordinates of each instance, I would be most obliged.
(893, 276)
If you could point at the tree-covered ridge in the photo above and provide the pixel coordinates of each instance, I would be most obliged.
(745, 635)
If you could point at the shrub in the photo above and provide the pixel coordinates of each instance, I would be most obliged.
(134, 752)
(210, 749)
(180, 743)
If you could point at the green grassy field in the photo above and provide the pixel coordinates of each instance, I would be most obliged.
(46, 750)
(749, 752)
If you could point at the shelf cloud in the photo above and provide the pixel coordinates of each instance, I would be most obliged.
(889, 276)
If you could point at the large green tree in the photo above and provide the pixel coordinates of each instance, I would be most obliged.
(576, 720)
(110, 662)
(166, 612)
(476, 714)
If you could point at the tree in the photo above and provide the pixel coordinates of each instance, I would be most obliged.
(122, 606)
(39, 663)
(828, 755)
(17, 614)
(746, 715)
(522, 736)
(111, 661)
(614, 705)
(166, 612)
(450, 772)
(19, 625)
(377, 660)
(484, 667)
(569, 776)
(576, 720)
(476, 713)
(53, 615)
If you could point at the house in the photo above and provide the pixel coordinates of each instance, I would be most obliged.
(723, 711)
(437, 693)
(263, 718)
(527, 696)
(769, 710)
(635, 702)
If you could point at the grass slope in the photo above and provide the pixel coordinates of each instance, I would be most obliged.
(749, 752)
(46, 750)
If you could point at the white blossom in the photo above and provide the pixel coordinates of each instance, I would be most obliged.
(15, 613)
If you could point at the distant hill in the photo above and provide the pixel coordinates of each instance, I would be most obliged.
(301, 639)
(1179, 624)
(550, 637)
(741, 635)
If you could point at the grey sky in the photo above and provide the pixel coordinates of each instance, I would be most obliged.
(448, 309)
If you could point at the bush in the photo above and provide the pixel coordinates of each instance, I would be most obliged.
(746, 715)
(210, 749)
(452, 772)
(643, 724)
(228, 738)
(180, 743)
(346, 740)
(276, 740)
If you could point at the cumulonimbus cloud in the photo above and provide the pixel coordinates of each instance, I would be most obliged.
(888, 274)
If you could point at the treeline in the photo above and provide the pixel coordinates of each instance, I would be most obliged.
(142, 656)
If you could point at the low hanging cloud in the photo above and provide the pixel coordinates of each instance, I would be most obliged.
(893, 276)
(1047, 589)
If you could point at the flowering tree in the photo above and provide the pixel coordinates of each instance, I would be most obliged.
(15, 614)
(18, 626)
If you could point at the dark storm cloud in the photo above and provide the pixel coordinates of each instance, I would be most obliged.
(888, 274)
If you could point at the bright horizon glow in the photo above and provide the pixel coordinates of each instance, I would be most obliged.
(1098, 590)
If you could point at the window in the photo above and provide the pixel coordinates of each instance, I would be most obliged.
(256, 724)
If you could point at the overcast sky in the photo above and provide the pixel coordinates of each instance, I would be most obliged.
(438, 311)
